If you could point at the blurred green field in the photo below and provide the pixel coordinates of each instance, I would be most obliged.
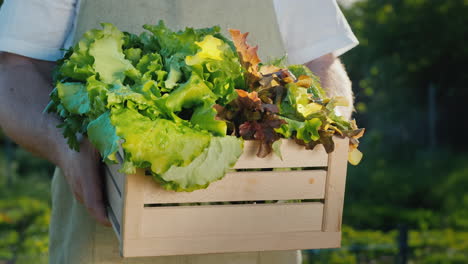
(410, 84)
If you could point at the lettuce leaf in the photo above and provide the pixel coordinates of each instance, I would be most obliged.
(211, 165)
(205, 117)
(299, 99)
(158, 144)
(74, 97)
(102, 135)
(109, 59)
(78, 63)
(306, 131)
(192, 93)
(314, 88)
(170, 42)
(169, 98)
(217, 63)
(97, 94)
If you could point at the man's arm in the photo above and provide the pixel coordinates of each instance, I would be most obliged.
(334, 80)
(25, 85)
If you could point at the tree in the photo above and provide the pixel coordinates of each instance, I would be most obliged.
(410, 88)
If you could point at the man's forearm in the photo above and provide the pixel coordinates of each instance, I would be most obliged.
(334, 80)
(24, 87)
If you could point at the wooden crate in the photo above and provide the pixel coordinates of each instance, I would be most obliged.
(148, 221)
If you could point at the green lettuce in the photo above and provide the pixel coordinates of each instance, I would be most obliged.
(167, 99)
(315, 88)
(103, 136)
(306, 131)
(74, 97)
(211, 165)
(192, 93)
(109, 59)
(298, 103)
(205, 117)
(158, 144)
(153, 95)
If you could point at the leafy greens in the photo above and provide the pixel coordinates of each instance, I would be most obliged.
(179, 103)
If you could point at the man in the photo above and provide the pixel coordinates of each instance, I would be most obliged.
(32, 32)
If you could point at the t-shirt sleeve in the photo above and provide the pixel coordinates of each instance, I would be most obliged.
(313, 28)
(36, 28)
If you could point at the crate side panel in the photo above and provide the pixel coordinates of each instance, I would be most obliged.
(293, 155)
(114, 197)
(233, 243)
(115, 224)
(335, 186)
(133, 205)
(230, 219)
(119, 177)
(247, 186)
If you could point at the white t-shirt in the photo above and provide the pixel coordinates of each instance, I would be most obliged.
(41, 28)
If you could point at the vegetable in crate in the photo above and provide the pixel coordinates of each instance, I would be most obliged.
(178, 102)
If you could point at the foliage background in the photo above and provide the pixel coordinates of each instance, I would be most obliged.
(409, 78)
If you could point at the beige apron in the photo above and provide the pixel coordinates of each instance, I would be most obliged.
(75, 238)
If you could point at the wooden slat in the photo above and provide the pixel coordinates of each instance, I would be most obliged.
(133, 206)
(335, 186)
(119, 177)
(113, 196)
(293, 154)
(230, 219)
(115, 223)
(246, 186)
(231, 243)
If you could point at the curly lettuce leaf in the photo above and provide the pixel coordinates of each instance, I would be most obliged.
(299, 99)
(307, 130)
(192, 93)
(205, 117)
(78, 63)
(150, 67)
(248, 58)
(315, 87)
(121, 95)
(97, 94)
(133, 55)
(183, 41)
(109, 59)
(211, 165)
(174, 66)
(74, 97)
(217, 63)
(102, 135)
(158, 144)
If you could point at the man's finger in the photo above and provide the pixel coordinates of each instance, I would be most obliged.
(78, 196)
(78, 192)
(98, 211)
(96, 206)
(94, 198)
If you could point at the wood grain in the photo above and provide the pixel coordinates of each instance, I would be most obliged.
(293, 155)
(246, 186)
(230, 219)
(232, 243)
(119, 177)
(335, 186)
(113, 196)
(179, 230)
(133, 205)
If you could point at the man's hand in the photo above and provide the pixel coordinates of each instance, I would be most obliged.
(25, 85)
(84, 175)
(334, 80)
